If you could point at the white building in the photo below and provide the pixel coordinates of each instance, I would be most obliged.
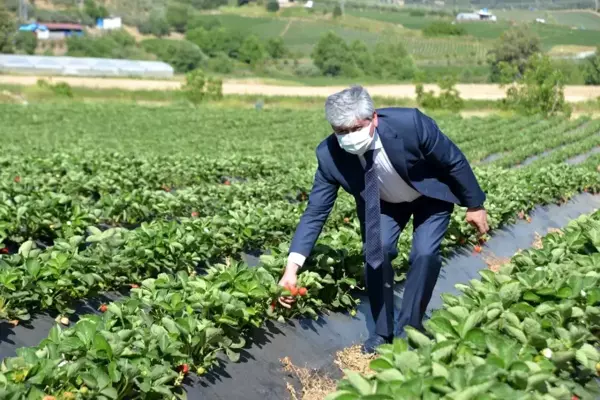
(481, 15)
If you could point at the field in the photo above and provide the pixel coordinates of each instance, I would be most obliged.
(163, 205)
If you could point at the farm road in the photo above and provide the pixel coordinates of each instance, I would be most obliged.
(467, 91)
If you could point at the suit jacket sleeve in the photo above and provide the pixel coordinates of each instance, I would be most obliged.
(438, 149)
(320, 202)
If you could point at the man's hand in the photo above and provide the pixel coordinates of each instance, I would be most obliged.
(288, 279)
(477, 217)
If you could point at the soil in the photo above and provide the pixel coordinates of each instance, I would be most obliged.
(467, 91)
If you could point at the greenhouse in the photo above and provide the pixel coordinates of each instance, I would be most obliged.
(83, 66)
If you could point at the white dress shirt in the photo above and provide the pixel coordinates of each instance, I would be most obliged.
(392, 188)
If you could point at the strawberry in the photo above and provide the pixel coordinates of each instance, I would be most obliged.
(195, 214)
(528, 219)
(184, 368)
(49, 398)
(17, 179)
(294, 291)
(227, 182)
(574, 397)
(477, 249)
(302, 291)
(4, 251)
(134, 285)
(103, 308)
(462, 240)
(346, 220)
(273, 305)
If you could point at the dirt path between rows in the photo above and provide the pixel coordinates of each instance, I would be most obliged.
(467, 91)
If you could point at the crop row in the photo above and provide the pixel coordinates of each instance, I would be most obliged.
(71, 270)
(142, 346)
(529, 331)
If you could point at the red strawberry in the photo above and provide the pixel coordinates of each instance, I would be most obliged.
(273, 305)
(4, 251)
(477, 249)
(227, 182)
(134, 285)
(574, 398)
(195, 214)
(302, 291)
(184, 368)
(103, 308)
(17, 179)
(294, 291)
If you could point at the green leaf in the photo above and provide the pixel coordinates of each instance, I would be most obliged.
(358, 382)
(102, 347)
(342, 395)
(115, 309)
(33, 267)
(417, 337)
(110, 392)
(390, 375)
(380, 364)
(471, 322)
(25, 248)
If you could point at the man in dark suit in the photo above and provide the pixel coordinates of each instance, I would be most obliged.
(396, 163)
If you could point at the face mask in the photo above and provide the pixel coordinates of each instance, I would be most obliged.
(356, 142)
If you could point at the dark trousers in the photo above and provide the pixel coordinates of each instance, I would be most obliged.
(430, 222)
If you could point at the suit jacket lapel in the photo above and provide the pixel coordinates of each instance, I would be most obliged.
(349, 167)
(394, 148)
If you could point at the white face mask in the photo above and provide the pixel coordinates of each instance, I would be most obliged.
(356, 142)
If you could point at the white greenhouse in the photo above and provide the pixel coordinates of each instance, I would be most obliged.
(24, 64)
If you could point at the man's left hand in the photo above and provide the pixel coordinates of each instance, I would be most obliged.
(477, 217)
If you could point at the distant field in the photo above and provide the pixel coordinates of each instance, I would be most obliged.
(580, 19)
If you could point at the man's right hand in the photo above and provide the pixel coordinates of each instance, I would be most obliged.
(288, 279)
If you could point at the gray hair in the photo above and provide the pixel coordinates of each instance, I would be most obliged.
(345, 108)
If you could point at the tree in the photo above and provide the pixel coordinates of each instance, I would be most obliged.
(540, 91)
(276, 48)
(7, 31)
(331, 54)
(178, 16)
(252, 51)
(337, 11)
(515, 47)
(273, 6)
(26, 41)
(95, 11)
(183, 55)
(215, 41)
(391, 60)
(591, 69)
(156, 25)
(362, 57)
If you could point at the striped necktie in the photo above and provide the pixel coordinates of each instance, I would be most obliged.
(373, 251)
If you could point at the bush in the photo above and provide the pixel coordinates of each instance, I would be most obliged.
(275, 47)
(178, 16)
(331, 55)
(441, 28)
(252, 51)
(115, 44)
(591, 69)
(391, 60)
(215, 41)
(61, 89)
(514, 47)
(26, 42)
(7, 29)
(182, 55)
(207, 4)
(273, 6)
(95, 11)
(205, 22)
(198, 89)
(449, 98)
(337, 11)
(65, 16)
(221, 63)
(156, 25)
(540, 91)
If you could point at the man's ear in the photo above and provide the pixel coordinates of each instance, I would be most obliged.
(375, 120)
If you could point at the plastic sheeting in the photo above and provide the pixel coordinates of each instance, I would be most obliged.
(83, 66)
(313, 344)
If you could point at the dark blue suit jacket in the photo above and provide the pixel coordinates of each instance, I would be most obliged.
(421, 154)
